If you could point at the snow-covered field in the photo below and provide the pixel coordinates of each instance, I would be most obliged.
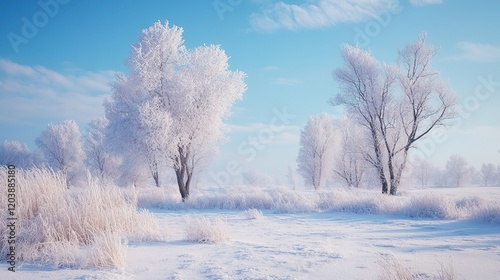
(346, 242)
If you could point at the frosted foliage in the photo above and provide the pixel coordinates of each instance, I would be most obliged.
(427, 99)
(487, 172)
(173, 102)
(254, 178)
(361, 73)
(156, 54)
(16, 153)
(316, 154)
(77, 228)
(350, 164)
(100, 161)
(398, 104)
(205, 230)
(61, 145)
(457, 170)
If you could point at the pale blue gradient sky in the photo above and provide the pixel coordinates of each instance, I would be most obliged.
(62, 68)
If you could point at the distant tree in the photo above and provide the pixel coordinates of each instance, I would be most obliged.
(126, 137)
(291, 177)
(350, 164)
(258, 179)
(100, 161)
(15, 153)
(61, 146)
(395, 122)
(474, 177)
(497, 175)
(316, 153)
(423, 171)
(173, 101)
(487, 173)
(457, 170)
(439, 176)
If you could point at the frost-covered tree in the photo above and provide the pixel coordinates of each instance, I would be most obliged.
(100, 161)
(15, 153)
(487, 173)
(291, 177)
(61, 145)
(173, 101)
(125, 135)
(316, 153)
(423, 171)
(397, 105)
(457, 170)
(258, 179)
(496, 177)
(350, 164)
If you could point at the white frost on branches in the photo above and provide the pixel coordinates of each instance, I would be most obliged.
(61, 144)
(170, 108)
(316, 153)
(398, 105)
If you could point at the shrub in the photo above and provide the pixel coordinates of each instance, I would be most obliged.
(204, 230)
(55, 225)
(431, 206)
(253, 214)
(107, 250)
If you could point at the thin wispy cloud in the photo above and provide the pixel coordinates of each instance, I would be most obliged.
(425, 2)
(286, 82)
(476, 52)
(33, 93)
(312, 14)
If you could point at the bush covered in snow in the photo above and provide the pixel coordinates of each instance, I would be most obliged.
(204, 230)
(253, 214)
(72, 228)
(427, 205)
(431, 206)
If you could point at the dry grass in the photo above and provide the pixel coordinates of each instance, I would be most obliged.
(204, 230)
(392, 269)
(253, 214)
(56, 226)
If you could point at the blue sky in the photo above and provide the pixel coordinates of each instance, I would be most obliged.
(57, 59)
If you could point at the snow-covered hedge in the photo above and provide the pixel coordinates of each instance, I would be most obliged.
(423, 204)
(78, 227)
(253, 214)
(205, 230)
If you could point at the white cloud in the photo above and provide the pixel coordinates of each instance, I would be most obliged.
(425, 2)
(30, 95)
(318, 13)
(476, 52)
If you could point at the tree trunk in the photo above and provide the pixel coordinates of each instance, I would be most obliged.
(392, 177)
(384, 183)
(153, 167)
(378, 154)
(397, 179)
(181, 173)
(156, 177)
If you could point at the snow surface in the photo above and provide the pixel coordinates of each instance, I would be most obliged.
(310, 245)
